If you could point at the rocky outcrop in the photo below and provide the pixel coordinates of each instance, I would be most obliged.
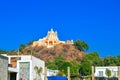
(67, 51)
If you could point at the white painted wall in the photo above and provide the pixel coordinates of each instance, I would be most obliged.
(52, 72)
(26, 57)
(103, 69)
(39, 63)
(33, 62)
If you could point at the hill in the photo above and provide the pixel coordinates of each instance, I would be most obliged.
(67, 51)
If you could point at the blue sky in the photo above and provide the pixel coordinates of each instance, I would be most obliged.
(96, 22)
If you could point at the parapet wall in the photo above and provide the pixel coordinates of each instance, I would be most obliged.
(3, 67)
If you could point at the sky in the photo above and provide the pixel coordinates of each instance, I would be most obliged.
(97, 22)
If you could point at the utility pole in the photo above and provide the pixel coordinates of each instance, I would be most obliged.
(68, 73)
(92, 72)
(45, 73)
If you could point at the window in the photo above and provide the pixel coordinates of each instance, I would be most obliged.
(100, 73)
(115, 73)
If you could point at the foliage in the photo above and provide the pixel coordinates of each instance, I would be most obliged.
(59, 60)
(74, 68)
(91, 59)
(108, 72)
(94, 59)
(64, 67)
(22, 47)
(56, 64)
(60, 73)
(60, 64)
(51, 65)
(111, 61)
(31, 52)
(3, 52)
(81, 45)
(85, 69)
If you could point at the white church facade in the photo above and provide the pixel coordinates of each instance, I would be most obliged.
(50, 40)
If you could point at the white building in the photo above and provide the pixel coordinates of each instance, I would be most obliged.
(50, 40)
(52, 72)
(101, 71)
(22, 67)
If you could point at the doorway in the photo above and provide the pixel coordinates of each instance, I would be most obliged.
(13, 76)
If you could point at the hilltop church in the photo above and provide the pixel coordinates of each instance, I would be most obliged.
(50, 40)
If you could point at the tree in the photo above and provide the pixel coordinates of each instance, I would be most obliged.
(56, 63)
(74, 68)
(61, 64)
(31, 52)
(81, 45)
(59, 60)
(92, 58)
(22, 47)
(85, 69)
(111, 61)
(118, 60)
(108, 73)
(3, 52)
(51, 65)
(38, 71)
(65, 66)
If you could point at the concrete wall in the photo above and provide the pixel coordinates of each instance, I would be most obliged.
(39, 63)
(26, 57)
(3, 67)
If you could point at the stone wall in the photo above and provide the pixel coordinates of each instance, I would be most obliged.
(3, 67)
